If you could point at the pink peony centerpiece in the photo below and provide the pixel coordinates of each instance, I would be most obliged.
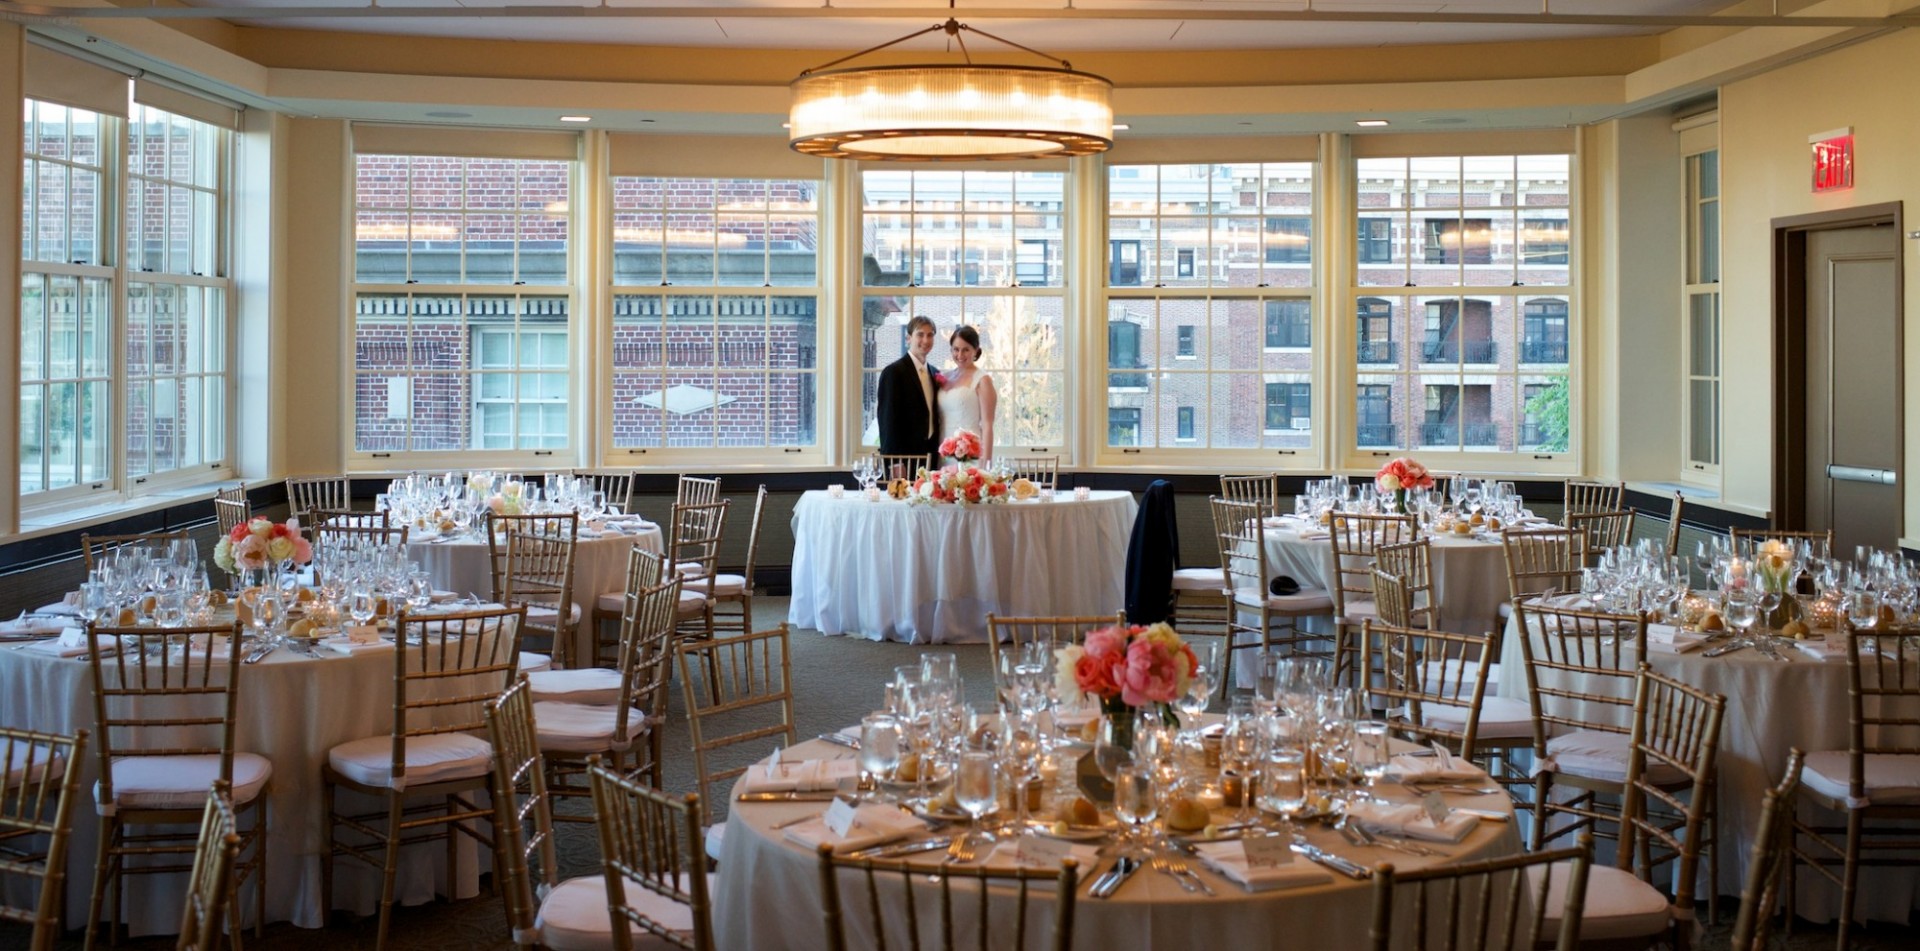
(1400, 475)
(962, 446)
(261, 543)
(959, 484)
(1128, 668)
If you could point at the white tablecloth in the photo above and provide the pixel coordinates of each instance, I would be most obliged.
(599, 567)
(1469, 571)
(768, 895)
(292, 710)
(1772, 707)
(932, 573)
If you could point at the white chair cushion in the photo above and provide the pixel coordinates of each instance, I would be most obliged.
(693, 604)
(691, 569)
(729, 586)
(531, 662)
(181, 782)
(429, 759)
(31, 764)
(595, 686)
(1891, 780)
(1500, 718)
(1618, 905)
(1597, 754)
(575, 915)
(614, 604)
(1506, 610)
(715, 838)
(544, 617)
(1199, 579)
(579, 728)
(1449, 672)
(1308, 601)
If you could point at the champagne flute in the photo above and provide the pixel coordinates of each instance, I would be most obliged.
(976, 782)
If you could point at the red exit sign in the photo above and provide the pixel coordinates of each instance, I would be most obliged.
(1832, 160)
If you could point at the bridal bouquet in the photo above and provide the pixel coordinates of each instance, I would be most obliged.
(260, 543)
(963, 446)
(1128, 667)
(959, 484)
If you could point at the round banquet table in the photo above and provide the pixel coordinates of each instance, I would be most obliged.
(1772, 707)
(768, 892)
(932, 573)
(1469, 571)
(291, 709)
(463, 565)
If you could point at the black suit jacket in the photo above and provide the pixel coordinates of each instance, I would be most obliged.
(904, 415)
(1152, 554)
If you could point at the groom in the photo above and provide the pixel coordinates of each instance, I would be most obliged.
(909, 412)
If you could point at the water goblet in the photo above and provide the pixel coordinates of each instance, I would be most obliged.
(1370, 753)
(880, 736)
(976, 788)
(1283, 782)
(1134, 801)
(1240, 749)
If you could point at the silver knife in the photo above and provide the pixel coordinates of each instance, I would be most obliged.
(826, 795)
(841, 739)
(1122, 870)
(1323, 857)
(1730, 648)
(259, 654)
(897, 850)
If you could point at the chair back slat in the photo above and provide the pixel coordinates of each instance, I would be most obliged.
(1261, 490)
(692, 490)
(1355, 537)
(934, 906)
(1581, 498)
(446, 667)
(646, 637)
(93, 548)
(1241, 530)
(695, 544)
(231, 509)
(617, 484)
(1580, 667)
(651, 842)
(522, 806)
(1485, 905)
(330, 493)
(896, 465)
(358, 532)
(1676, 729)
(1822, 540)
(151, 698)
(1883, 694)
(1412, 563)
(532, 557)
(1543, 560)
(1602, 530)
(207, 885)
(737, 691)
(753, 535)
(1417, 670)
(1051, 631)
(1772, 845)
(1042, 471)
(1674, 522)
(39, 780)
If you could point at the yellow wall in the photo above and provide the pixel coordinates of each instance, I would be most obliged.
(1765, 173)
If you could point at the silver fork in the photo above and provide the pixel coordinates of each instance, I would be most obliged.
(963, 849)
(1184, 868)
(1165, 867)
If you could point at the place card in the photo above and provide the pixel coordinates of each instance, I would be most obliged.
(840, 818)
(73, 637)
(836, 491)
(1044, 852)
(362, 633)
(1436, 807)
(1267, 851)
(1443, 756)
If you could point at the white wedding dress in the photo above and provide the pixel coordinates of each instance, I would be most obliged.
(960, 407)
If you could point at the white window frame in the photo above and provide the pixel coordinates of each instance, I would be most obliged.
(1699, 135)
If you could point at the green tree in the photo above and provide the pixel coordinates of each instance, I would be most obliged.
(1548, 411)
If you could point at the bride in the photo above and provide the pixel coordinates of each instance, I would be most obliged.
(966, 395)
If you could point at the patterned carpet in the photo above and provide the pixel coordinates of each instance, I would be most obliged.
(823, 669)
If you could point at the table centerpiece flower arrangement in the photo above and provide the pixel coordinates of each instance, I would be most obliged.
(509, 500)
(258, 544)
(1400, 475)
(1774, 569)
(962, 447)
(1128, 669)
(959, 484)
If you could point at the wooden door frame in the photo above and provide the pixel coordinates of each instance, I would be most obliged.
(1789, 338)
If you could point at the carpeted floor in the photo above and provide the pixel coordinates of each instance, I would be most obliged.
(836, 680)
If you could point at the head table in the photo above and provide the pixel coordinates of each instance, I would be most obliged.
(1773, 706)
(768, 892)
(932, 572)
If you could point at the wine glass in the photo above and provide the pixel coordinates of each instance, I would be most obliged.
(1240, 749)
(1020, 748)
(1200, 686)
(1369, 752)
(361, 603)
(1133, 797)
(1743, 610)
(880, 735)
(976, 788)
(1283, 782)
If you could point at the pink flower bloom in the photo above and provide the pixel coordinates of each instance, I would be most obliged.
(1150, 675)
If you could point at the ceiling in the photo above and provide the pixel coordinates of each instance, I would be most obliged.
(1063, 25)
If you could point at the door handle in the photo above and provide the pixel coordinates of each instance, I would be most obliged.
(1863, 474)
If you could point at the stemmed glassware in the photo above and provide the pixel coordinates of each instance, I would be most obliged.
(1134, 798)
(1199, 686)
(976, 787)
(1241, 747)
(880, 737)
(1020, 750)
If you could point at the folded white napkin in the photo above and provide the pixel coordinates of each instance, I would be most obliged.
(812, 775)
(873, 824)
(1006, 854)
(1410, 820)
(1820, 650)
(34, 626)
(1314, 534)
(1671, 640)
(1429, 769)
(341, 645)
(1229, 858)
(75, 646)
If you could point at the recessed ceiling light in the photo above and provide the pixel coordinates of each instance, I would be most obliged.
(1370, 123)
(576, 118)
(450, 115)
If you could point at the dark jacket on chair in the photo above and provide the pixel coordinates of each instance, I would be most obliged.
(1152, 556)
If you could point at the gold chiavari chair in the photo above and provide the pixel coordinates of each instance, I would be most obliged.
(1664, 817)
(208, 889)
(625, 727)
(327, 493)
(1580, 685)
(1757, 536)
(1052, 631)
(1673, 524)
(1541, 561)
(342, 534)
(1869, 784)
(744, 695)
(1602, 531)
(909, 904)
(692, 490)
(1241, 530)
(616, 483)
(732, 595)
(900, 465)
(1355, 537)
(445, 667)
(39, 778)
(315, 519)
(1505, 903)
(94, 548)
(1042, 471)
(1261, 490)
(694, 548)
(1582, 498)
(164, 722)
(1769, 858)
(650, 848)
(231, 507)
(532, 560)
(1412, 562)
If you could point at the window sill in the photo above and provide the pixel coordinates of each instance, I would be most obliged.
(66, 518)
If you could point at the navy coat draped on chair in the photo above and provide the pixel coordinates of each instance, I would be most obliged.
(1152, 555)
